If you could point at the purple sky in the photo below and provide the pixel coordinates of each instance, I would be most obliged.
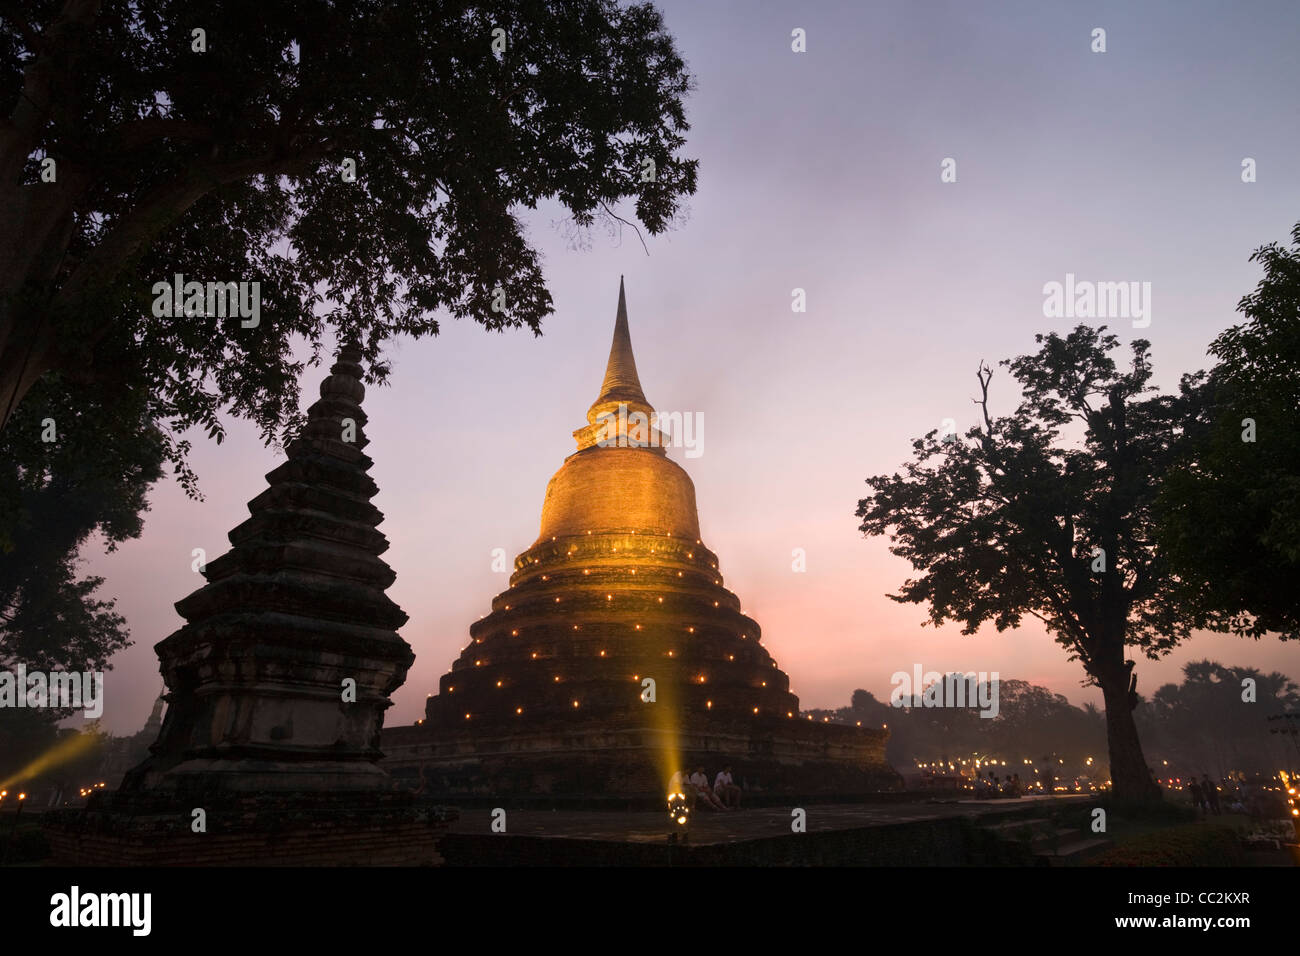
(820, 170)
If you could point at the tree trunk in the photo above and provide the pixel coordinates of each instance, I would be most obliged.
(1129, 774)
(23, 360)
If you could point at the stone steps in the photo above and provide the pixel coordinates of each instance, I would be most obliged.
(1049, 843)
(1078, 849)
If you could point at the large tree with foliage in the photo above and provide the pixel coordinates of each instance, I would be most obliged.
(221, 156)
(1230, 512)
(1047, 513)
(92, 480)
(76, 464)
(364, 163)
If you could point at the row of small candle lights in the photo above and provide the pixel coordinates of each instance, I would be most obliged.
(975, 767)
(708, 704)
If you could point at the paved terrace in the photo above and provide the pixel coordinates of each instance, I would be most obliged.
(711, 826)
(587, 836)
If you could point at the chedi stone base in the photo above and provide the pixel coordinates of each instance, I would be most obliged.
(610, 761)
(280, 829)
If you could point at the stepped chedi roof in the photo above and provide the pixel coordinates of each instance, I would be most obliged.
(277, 685)
(291, 617)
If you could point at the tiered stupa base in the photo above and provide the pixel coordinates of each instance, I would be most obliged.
(570, 760)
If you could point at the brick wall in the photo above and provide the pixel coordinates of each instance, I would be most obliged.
(410, 844)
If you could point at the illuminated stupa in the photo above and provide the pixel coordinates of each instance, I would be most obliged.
(616, 653)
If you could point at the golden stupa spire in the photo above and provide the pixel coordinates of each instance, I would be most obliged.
(620, 479)
(620, 392)
(621, 383)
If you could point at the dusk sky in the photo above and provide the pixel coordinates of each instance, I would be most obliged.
(820, 171)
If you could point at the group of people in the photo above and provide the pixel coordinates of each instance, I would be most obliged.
(1205, 795)
(1233, 794)
(990, 787)
(723, 795)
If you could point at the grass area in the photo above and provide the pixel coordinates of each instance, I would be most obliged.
(26, 845)
(1193, 844)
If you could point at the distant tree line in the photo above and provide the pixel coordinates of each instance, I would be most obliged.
(1199, 725)
(1204, 726)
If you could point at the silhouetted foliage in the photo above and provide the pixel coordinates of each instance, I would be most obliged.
(227, 164)
(1031, 721)
(1230, 512)
(1203, 725)
(90, 482)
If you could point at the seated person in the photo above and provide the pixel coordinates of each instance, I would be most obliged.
(725, 789)
(701, 784)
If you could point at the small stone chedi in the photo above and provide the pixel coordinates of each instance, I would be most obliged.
(280, 677)
(278, 681)
(552, 696)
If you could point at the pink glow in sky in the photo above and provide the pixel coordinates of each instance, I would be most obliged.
(819, 171)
